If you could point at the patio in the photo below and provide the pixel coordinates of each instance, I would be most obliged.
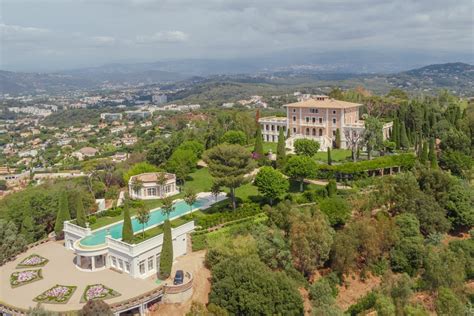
(61, 270)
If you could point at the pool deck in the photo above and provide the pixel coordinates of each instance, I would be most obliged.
(61, 270)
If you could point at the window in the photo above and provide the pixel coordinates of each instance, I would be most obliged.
(127, 267)
(266, 127)
(141, 267)
(294, 118)
(314, 120)
(320, 132)
(120, 261)
(320, 120)
(333, 111)
(294, 130)
(273, 127)
(294, 110)
(151, 191)
(333, 133)
(334, 120)
(314, 132)
(307, 119)
(307, 131)
(150, 263)
(114, 262)
(278, 128)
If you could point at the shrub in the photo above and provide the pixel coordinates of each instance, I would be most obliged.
(364, 303)
(448, 303)
(92, 219)
(336, 209)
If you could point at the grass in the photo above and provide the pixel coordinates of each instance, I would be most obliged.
(199, 181)
(155, 231)
(267, 146)
(337, 155)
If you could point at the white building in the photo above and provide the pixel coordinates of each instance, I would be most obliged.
(152, 185)
(110, 117)
(98, 250)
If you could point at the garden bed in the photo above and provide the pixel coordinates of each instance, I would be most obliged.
(98, 292)
(32, 261)
(58, 294)
(24, 277)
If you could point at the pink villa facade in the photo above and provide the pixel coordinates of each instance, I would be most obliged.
(317, 118)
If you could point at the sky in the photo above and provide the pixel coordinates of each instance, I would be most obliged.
(47, 35)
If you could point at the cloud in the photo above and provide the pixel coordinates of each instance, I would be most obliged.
(103, 40)
(19, 33)
(163, 37)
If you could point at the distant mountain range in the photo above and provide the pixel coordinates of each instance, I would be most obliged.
(458, 77)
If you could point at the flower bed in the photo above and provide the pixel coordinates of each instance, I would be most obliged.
(20, 278)
(98, 292)
(31, 261)
(58, 294)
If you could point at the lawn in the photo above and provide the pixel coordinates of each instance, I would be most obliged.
(337, 155)
(267, 146)
(200, 181)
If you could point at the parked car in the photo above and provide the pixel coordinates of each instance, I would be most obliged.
(178, 277)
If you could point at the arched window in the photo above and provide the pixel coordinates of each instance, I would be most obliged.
(314, 132)
(307, 131)
(320, 132)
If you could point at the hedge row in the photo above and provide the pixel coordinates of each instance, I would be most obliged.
(405, 161)
(214, 219)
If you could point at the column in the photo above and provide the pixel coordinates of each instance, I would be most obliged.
(78, 260)
(93, 263)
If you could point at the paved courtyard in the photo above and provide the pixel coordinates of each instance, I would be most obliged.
(61, 270)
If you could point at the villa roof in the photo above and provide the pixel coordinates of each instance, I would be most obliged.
(152, 176)
(325, 103)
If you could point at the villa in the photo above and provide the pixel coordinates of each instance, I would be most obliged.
(317, 118)
(152, 185)
(102, 248)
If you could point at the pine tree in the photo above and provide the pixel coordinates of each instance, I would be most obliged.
(127, 230)
(404, 142)
(281, 150)
(432, 155)
(166, 256)
(80, 214)
(258, 150)
(338, 138)
(62, 215)
(424, 153)
(329, 156)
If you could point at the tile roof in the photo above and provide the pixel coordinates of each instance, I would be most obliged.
(325, 103)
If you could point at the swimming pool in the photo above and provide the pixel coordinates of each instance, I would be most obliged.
(156, 217)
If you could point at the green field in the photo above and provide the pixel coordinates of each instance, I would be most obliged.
(337, 155)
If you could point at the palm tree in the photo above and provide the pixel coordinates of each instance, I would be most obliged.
(190, 197)
(143, 216)
(167, 206)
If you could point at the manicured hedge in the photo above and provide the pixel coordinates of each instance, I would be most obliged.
(210, 220)
(360, 168)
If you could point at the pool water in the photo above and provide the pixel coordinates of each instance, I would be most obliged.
(156, 217)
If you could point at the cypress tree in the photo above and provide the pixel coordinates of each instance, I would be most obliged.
(424, 153)
(432, 155)
(331, 188)
(258, 150)
(404, 142)
(166, 256)
(329, 156)
(338, 138)
(62, 215)
(396, 133)
(27, 227)
(281, 150)
(127, 230)
(80, 214)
